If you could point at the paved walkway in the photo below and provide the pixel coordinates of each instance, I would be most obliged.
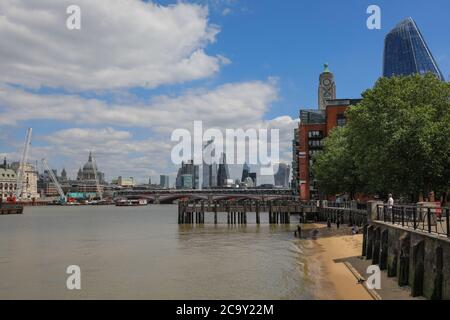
(389, 287)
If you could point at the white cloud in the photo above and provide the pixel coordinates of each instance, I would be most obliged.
(120, 44)
(117, 152)
(241, 105)
(230, 105)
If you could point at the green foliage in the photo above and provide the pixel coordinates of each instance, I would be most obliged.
(397, 140)
(334, 168)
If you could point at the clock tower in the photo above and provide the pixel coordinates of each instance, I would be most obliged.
(327, 87)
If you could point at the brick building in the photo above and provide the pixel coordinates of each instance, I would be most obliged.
(314, 127)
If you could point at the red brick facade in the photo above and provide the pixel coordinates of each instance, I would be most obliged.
(312, 131)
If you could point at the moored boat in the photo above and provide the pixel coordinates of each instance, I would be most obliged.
(131, 202)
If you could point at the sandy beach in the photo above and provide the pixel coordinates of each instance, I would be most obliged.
(336, 280)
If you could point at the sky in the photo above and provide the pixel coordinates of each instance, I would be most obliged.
(137, 70)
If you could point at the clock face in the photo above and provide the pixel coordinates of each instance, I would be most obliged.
(326, 82)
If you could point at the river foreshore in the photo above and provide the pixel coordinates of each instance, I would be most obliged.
(334, 280)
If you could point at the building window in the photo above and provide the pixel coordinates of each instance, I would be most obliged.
(315, 134)
(315, 143)
(341, 120)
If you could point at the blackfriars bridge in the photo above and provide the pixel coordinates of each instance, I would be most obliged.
(169, 196)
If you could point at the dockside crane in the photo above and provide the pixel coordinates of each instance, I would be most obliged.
(62, 196)
(22, 164)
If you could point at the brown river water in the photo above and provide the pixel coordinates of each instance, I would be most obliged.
(142, 253)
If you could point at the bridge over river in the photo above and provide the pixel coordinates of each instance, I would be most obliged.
(169, 196)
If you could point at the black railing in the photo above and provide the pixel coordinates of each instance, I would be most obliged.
(351, 216)
(346, 204)
(434, 220)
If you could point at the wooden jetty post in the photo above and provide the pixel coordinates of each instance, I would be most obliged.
(215, 213)
(257, 213)
(191, 212)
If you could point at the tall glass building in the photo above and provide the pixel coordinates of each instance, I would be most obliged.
(406, 52)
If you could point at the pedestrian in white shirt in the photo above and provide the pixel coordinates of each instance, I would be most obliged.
(390, 204)
(390, 201)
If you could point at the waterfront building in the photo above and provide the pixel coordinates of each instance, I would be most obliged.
(295, 174)
(124, 181)
(8, 181)
(164, 181)
(281, 178)
(87, 172)
(223, 174)
(406, 52)
(85, 182)
(47, 188)
(30, 180)
(314, 127)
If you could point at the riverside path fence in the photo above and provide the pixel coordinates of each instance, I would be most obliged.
(432, 220)
(343, 213)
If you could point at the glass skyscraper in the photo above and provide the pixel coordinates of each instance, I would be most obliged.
(406, 52)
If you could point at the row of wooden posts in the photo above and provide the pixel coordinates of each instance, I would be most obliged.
(279, 213)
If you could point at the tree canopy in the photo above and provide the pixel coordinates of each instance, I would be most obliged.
(397, 139)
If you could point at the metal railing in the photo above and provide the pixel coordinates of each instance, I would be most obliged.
(346, 204)
(433, 220)
(351, 216)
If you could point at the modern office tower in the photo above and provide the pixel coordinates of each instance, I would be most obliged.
(188, 168)
(222, 173)
(282, 176)
(164, 181)
(186, 181)
(406, 52)
(209, 170)
(245, 172)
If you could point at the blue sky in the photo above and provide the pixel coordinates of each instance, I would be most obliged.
(291, 40)
(230, 63)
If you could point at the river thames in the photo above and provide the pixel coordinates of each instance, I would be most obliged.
(142, 253)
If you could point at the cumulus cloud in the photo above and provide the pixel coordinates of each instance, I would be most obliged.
(233, 105)
(120, 44)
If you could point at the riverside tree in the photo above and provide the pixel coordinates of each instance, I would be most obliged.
(335, 169)
(397, 140)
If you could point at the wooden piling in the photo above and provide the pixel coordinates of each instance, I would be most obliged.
(215, 213)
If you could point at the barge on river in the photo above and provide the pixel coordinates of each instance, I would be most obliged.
(131, 202)
(10, 209)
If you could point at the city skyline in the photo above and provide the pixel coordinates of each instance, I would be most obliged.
(126, 119)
